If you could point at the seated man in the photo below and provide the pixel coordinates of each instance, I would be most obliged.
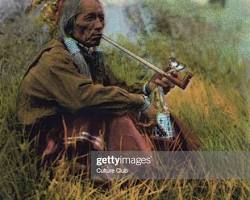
(69, 97)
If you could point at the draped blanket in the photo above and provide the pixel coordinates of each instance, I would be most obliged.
(66, 136)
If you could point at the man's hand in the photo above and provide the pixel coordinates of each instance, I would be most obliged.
(162, 82)
(159, 80)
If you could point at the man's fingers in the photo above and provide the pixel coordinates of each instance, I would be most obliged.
(161, 83)
(164, 82)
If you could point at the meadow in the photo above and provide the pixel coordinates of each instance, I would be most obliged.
(215, 105)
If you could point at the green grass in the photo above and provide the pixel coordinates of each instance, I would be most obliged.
(214, 105)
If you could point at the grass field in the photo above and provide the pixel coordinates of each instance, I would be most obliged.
(215, 105)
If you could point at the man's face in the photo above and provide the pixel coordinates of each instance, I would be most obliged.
(89, 23)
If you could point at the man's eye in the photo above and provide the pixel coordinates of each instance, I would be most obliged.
(93, 17)
(90, 17)
(101, 17)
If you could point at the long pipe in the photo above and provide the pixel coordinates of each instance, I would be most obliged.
(153, 67)
(176, 81)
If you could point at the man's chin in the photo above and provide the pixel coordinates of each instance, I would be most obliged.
(97, 43)
(93, 43)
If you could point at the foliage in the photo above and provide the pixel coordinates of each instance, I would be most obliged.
(48, 10)
(19, 41)
(214, 105)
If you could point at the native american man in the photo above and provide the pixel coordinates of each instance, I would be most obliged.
(69, 97)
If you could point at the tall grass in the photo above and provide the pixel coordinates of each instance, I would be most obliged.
(214, 105)
(215, 96)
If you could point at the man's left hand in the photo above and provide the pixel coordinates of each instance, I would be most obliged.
(159, 80)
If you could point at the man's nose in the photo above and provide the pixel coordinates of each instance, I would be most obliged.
(99, 23)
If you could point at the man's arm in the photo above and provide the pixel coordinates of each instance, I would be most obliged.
(73, 91)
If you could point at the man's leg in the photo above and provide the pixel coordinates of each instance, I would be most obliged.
(121, 134)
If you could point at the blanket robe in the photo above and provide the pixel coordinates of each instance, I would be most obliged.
(72, 114)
